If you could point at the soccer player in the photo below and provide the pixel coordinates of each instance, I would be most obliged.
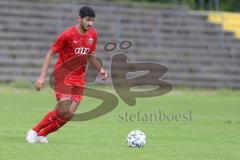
(79, 40)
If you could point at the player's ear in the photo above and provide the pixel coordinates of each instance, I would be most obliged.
(79, 19)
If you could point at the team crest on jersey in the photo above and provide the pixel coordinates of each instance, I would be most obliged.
(90, 41)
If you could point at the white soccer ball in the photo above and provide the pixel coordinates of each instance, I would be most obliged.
(136, 139)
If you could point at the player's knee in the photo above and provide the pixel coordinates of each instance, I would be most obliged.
(64, 106)
(73, 107)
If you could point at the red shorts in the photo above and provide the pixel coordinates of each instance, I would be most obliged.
(74, 93)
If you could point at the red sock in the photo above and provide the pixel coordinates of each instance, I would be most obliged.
(54, 126)
(49, 117)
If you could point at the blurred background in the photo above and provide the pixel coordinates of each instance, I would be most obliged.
(198, 40)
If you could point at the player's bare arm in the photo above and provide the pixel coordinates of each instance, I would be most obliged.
(39, 84)
(93, 60)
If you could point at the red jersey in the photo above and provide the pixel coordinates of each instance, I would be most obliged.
(71, 43)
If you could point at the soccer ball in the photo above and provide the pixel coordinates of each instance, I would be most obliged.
(136, 139)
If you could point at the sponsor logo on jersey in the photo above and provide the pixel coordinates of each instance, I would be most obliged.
(82, 50)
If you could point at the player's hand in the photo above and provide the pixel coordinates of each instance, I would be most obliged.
(103, 74)
(39, 84)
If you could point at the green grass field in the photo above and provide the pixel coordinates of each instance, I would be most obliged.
(212, 133)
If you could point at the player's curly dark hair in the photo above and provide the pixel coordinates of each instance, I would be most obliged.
(86, 11)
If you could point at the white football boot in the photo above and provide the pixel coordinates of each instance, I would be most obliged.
(42, 139)
(32, 136)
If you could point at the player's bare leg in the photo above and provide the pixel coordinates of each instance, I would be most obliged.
(55, 119)
(67, 109)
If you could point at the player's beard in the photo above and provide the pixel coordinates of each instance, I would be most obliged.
(84, 27)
